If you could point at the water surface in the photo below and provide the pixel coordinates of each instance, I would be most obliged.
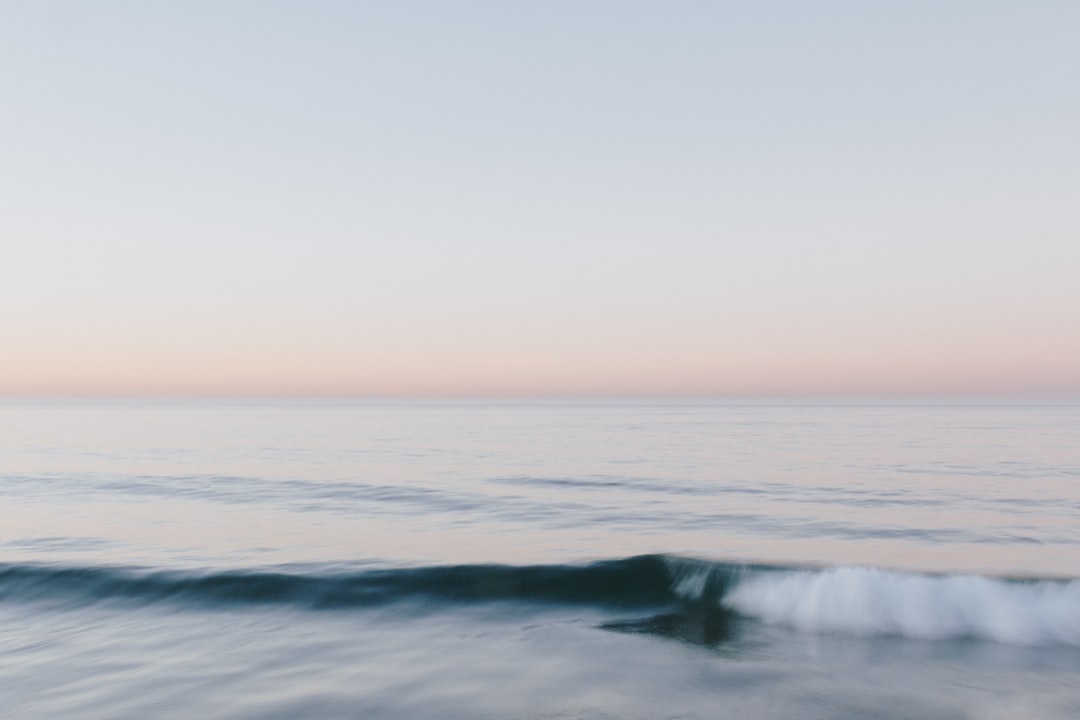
(539, 560)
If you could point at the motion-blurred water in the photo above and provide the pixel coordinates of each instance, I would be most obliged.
(538, 560)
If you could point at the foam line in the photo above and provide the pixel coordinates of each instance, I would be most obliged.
(865, 601)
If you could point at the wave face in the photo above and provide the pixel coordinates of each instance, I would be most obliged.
(637, 581)
(848, 600)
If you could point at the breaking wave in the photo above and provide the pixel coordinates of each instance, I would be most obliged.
(848, 600)
(868, 601)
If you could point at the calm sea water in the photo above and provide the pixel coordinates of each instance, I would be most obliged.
(539, 560)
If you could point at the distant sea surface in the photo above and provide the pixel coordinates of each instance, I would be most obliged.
(571, 560)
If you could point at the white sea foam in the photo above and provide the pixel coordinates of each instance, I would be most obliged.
(865, 601)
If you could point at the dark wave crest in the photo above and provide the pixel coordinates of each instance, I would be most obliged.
(638, 581)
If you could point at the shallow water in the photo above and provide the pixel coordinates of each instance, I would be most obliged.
(539, 560)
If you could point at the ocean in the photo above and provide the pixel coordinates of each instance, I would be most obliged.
(539, 559)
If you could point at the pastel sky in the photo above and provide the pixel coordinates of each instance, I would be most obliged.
(566, 197)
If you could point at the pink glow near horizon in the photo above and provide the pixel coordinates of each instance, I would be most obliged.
(708, 200)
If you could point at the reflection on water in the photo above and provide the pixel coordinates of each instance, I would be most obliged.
(697, 624)
(979, 488)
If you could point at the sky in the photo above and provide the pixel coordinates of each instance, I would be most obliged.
(586, 197)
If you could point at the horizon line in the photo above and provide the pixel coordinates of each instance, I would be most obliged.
(1004, 397)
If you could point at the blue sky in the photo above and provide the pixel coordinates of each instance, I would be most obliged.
(689, 198)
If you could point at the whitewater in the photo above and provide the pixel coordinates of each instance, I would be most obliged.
(540, 559)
